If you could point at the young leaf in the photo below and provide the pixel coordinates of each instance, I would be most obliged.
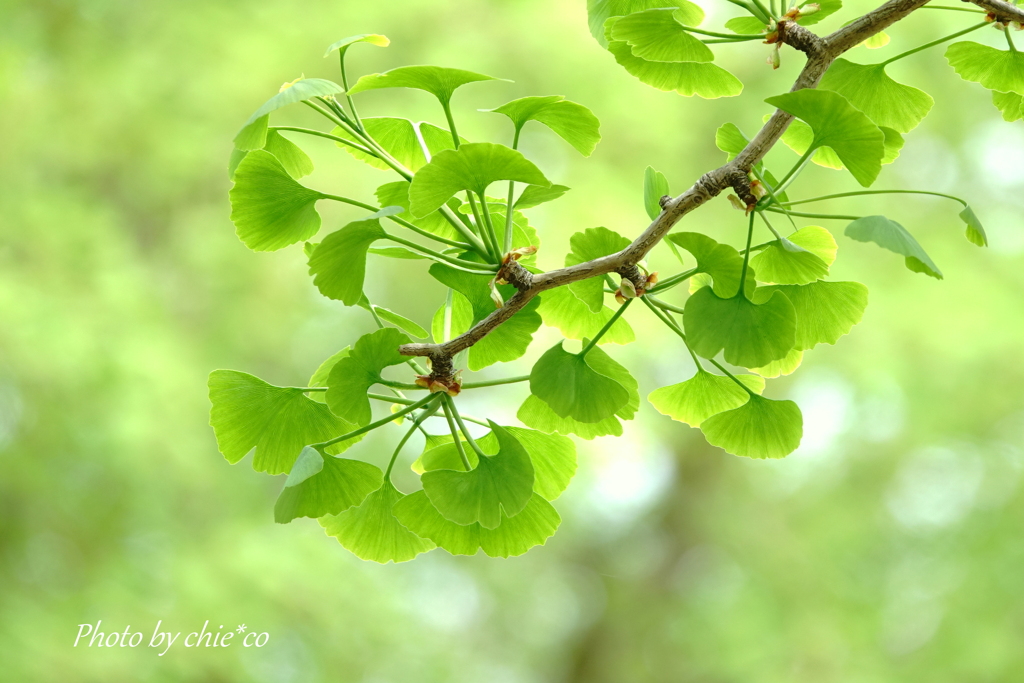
(1009, 104)
(825, 311)
(975, 232)
(345, 43)
(746, 26)
(461, 319)
(254, 133)
(752, 334)
(269, 209)
(564, 308)
(702, 396)
(826, 8)
(401, 322)
(397, 194)
(656, 35)
(686, 78)
(760, 428)
(573, 122)
(338, 264)
(278, 422)
(472, 167)
(871, 90)
(352, 376)
(731, 140)
(586, 246)
(398, 138)
(837, 124)
(783, 366)
(890, 235)
(535, 195)
(599, 11)
(572, 388)
(805, 256)
(438, 81)
(502, 482)
(655, 187)
(320, 375)
(998, 70)
(371, 532)
(799, 137)
(722, 262)
(295, 161)
(319, 485)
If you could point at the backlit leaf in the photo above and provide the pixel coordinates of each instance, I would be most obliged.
(563, 308)
(439, 81)
(397, 194)
(655, 187)
(294, 160)
(254, 132)
(783, 366)
(345, 43)
(722, 262)
(746, 26)
(1009, 104)
(702, 396)
(826, 9)
(975, 232)
(535, 195)
(760, 428)
(319, 486)
(803, 257)
(269, 209)
(599, 11)
(751, 334)
(704, 79)
(998, 70)
(338, 264)
(398, 138)
(890, 235)
(573, 122)
(825, 311)
(657, 36)
(871, 90)
(371, 532)
(352, 376)
(572, 388)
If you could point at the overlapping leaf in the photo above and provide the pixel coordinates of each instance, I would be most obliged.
(825, 311)
(399, 139)
(573, 388)
(599, 11)
(319, 485)
(998, 70)
(439, 81)
(702, 396)
(658, 35)
(1009, 104)
(751, 334)
(760, 428)
(254, 133)
(370, 531)
(655, 187)
(722, 262)
(572, 122)
(345, 43)
(269, 209)
(338, 264)
(704, 79)
(353, 375)
(886, 102)
(804, 256)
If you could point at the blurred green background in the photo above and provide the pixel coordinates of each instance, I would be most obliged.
(888, 548)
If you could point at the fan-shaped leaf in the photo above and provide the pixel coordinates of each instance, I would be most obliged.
(319, 486)
(655, 187)
(254, 133)
(825, 311)
(269, 209)
(535, 195)
(783, 366)
(702, 396)
(746, 26)
(573, 122)
(975, 232)
(656, 35)
(572, 388)
(890, 235)
(998, 70)
(799, 136)
(723, 263)
(439, 81)
(826, 8)
(345, 43)
(398, 138)
(291, 156)
(803, 257)
(460, 319)
(397, 194)
(1009, 104)
(353, 375)
(371, 532)
(564, 308)
(338, 264)
(686, 78)
(401, 322)
(752, 334)
(871, 90)
(760, 428)
(599, 11)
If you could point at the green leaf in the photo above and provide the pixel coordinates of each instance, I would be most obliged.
(572, 388)
(508, 341)
(752, 334)
(656, 35)
(588, 245)
(472, 167)
(278, 422)
(890, 235)
(871, 90)
(345, 43)
(975, 231)
(799, 136)
(760, 428)
(655, 187)
(702, 396)
(397, 194)
(397, 252)
(599, 11)
(837, 124)
(398, 138)
(294, 160)
(352, 376)
(461, 319)
(269, 209)
(371, 532)
(805, 256)
(573, 122)
(730, 140)
(319, 485)
(686, 78)
(439, 81)
(825, 311)
(502, 482)
(783, 366)
(320, 375)
(746, 26)
(514, 536)
(535, 195)
(1009, 104)
(562, 307)
(998, 70)
(254, 132)
(338, 264)
(401, 322)
(827, 8)
(723, 263)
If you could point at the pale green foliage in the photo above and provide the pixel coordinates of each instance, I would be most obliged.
(870, 89)
(702, 396)
(399, 138)
(338, 264)
(438, 81)
(353, 375)
(890, 235)
(254, 132)
(998, 70)
(760, 428)
(572, 122)
(751, 334)
(371, 531)
(321, 485)
(270, 210)
(804, 256)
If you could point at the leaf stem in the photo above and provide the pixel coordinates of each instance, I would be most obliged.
(865, 192)
(1009, 39)
(321, 134)
(495, 382)
(940, 41)
(344, 83)
(670, 282)
(508, 202)
(455, 432)
(746, 255)
(953, 9)
(671, 324)
(797, 167)
(470, 266)
(663, 304)
(826, 216)
(374, 425)
(603, 330)
(489, 224)
(462, 426)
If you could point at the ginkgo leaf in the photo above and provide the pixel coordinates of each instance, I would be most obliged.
(826, 8)
(751, 334)
(345, 43)
(702, 396)
(890, 235)
(704, 79)
(254, 133)
(746, 26)
(563, 308)
(783, 366)
(401, 322)
(975, 232)
(338, 264)
(1009, 104)
(588, 245)
(805, 256)
(760, 428)
(535, 195)
(460, 319)
(572, 122)
(722, 262)
(508, 341)
(353, 375)
(825, 311)
(399, 139)
(799, 136)
(871, 90)
(655, 187)
(730, 140)
(599, 11)
(837, 124)
(370, 531)
(295, 161)
(439, 81)
(572, 388)
(502, 482)
(656, 35)
(319, 485)
(278, 422)
(537, 522)
(320, 375)
(269, 209)
(997, 70)
(472, 167)
(397, 194)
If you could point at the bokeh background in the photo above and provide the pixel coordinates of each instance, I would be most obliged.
(888, 548)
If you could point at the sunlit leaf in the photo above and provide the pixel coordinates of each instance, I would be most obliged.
(825, 311)
(880, 39)
(573, 122)
(751, 334)
(371, 532)
(352, 376)
(760, 428)
(572, 388)
(704, 79)
(294, 160)
(826, 9)
(657, 36)
(799, 136)
(278, 422)
(535, 195)
(730, 140)
(837, 124)
(722, 262)
(588, 245)
(401, 322)
(398, 138)
(998, 70)
(319, 486)
(269, 209)
(439, 81)
(338, 264)
(397, 252)
(746, 26)
(871, 90)
(655, 187)
(472, 167)
(599, 11)
(1009, 104)
(803, 257)
(397, 194)
(702, 396)
(783, 366)
(562, 307)
(460, 319)
(975, 232)
(890, 235)
(345, 43)
(254, 133)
